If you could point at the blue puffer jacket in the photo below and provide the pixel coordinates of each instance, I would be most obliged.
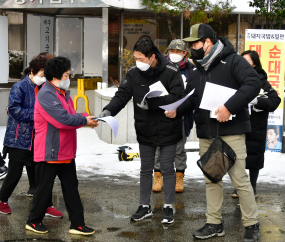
(19, 131)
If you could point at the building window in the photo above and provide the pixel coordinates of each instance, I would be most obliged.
(225, 27)
(161, 29)
(15, 44)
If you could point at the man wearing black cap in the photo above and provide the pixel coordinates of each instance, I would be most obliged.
(217, 63)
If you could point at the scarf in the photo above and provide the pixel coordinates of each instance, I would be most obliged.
(181, 64)
(215, 50)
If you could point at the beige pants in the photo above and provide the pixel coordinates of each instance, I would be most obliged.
(240, 181)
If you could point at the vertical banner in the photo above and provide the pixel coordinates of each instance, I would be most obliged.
(270, 45)
(47, 34)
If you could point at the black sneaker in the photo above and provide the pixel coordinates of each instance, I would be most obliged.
(31, 192)
(210, 230)
(83, 230)
(141, 213)
(3, 172)
(251, 233)
(36, 227)
(167, 217)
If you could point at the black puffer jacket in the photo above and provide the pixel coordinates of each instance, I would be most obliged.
(230, 70)
(255, 141)
(152, 126)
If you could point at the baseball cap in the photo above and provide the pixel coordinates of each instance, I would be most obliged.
(200, 31)
(177, 44)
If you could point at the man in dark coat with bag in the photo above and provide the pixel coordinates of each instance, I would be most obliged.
(217, 62)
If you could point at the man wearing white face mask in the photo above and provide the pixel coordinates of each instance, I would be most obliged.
(153, 128)
(177, 55)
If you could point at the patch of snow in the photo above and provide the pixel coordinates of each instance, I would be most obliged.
(95, 156)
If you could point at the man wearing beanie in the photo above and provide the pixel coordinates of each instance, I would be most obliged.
(217, 62)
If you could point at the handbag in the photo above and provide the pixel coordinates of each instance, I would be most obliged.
(218, 160)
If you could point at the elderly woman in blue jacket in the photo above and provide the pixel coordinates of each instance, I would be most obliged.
(19, 136)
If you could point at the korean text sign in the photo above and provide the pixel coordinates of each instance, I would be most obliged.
(270, 45)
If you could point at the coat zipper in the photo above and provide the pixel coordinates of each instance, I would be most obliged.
(52, 149)
(17, 132)
(208, 119)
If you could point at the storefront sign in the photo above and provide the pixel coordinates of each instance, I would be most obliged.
(47, 34)
(138, 28)
(51, 4)
(270, 45)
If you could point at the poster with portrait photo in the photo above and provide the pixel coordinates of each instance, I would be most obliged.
(274, 138)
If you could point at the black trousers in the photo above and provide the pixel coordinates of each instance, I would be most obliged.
(2, 162)
(45, 175)
(14, 175)
(253, 175)
(167, 156)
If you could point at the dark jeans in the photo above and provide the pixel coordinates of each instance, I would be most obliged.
(167, 156)
(14, 175)
(45, 175)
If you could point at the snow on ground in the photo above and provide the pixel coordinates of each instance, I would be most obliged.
(97, 157)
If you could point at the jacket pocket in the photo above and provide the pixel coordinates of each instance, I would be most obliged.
(17, 131)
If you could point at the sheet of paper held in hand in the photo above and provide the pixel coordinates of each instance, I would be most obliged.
(174, 106)
(150, 94)
(215, 96)
(112, 122)
(158, 86)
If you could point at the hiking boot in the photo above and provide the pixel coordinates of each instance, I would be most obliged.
(4, 208)
(167, 217)
(157, 182)
(234, 194)
(36, 227)
(52, 212)
(251, 233)
(31, 192)
(3, 172)
(179, 182)
(83, 230)
(142, 213)
(210, 230)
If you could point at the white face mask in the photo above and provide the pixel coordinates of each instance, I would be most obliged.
(64, 84)
(39, 80)
(175, 58)
(143, 66)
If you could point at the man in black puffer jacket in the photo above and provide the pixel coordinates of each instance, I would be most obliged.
(216, 62)
(153, 128)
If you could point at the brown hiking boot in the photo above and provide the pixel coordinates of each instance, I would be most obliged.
(157, 182)
(179, 182)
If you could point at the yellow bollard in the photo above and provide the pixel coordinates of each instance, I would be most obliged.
(81, 93)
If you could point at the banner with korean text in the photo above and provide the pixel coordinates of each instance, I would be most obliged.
(270, 45)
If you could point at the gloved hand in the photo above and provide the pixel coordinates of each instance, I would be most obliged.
(105, 113)
(143, 105)
(254, 101)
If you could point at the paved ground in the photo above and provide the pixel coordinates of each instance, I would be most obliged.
(110, 201)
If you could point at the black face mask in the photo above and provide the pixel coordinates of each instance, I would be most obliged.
(197, 54)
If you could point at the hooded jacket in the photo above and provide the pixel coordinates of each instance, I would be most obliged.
(230, 70)
(152, 126)
(256, 140)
